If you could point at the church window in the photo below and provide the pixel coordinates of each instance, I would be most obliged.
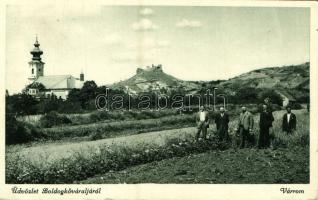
(39, 70)
(32, 71)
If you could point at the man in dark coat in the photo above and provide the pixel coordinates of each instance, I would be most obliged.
(289, 121)
(265, 123)
(222, 124)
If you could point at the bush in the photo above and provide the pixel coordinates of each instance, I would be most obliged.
(94, 117)
(53, 119)
(97, 135)
(20, 132)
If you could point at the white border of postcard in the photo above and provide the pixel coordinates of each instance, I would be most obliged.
(178, 191)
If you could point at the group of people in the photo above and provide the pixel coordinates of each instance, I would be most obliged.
(245, 125)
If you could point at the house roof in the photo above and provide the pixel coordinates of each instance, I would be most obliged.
(287, 95)
(54, 82)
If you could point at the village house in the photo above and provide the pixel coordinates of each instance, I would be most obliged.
(287, 98)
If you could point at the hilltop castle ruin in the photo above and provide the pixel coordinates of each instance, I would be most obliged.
(153, 67)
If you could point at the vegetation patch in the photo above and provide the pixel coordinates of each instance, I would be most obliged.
(53, 119)
(241, 166)
(18, 132)
(82, 165)
(110, 129)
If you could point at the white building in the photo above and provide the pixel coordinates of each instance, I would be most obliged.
(287, 99)
(59, 85)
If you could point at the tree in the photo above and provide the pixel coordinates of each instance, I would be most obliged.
(21, 104)
(84, 95)
(87, 93)
(273, 96)
(74, 95)
(50, 104)
(245, 95)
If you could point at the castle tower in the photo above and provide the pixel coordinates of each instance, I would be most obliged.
(36, 66)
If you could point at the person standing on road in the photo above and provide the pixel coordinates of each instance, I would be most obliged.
(202, 120)
(289, 121)
(265, 123)
(245, 127)
(222, 124)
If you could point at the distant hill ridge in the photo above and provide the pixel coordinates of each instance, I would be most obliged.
(154, 78)
(289, 77)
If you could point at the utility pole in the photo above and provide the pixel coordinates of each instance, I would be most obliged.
(224, 101)
(215, 88)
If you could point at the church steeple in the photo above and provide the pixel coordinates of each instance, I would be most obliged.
(36, 65)
(36, 52)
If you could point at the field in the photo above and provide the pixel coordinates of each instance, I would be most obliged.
(229, 166)
(170, 151)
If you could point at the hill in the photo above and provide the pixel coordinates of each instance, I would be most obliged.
(153, 78)
(288, 77)
(293, 79)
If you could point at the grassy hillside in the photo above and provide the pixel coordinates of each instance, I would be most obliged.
(289, 77)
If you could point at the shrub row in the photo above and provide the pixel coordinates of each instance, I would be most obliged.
(79, 166)
(98, 116)
(23, 132)
(53, 119)
(116, 128)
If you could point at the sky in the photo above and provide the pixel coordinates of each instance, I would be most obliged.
(108, 43)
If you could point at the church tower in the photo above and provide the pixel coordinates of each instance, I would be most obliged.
(36, 66)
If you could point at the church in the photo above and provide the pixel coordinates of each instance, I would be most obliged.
(58, 85)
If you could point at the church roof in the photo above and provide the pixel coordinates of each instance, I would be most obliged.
(56, 81)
